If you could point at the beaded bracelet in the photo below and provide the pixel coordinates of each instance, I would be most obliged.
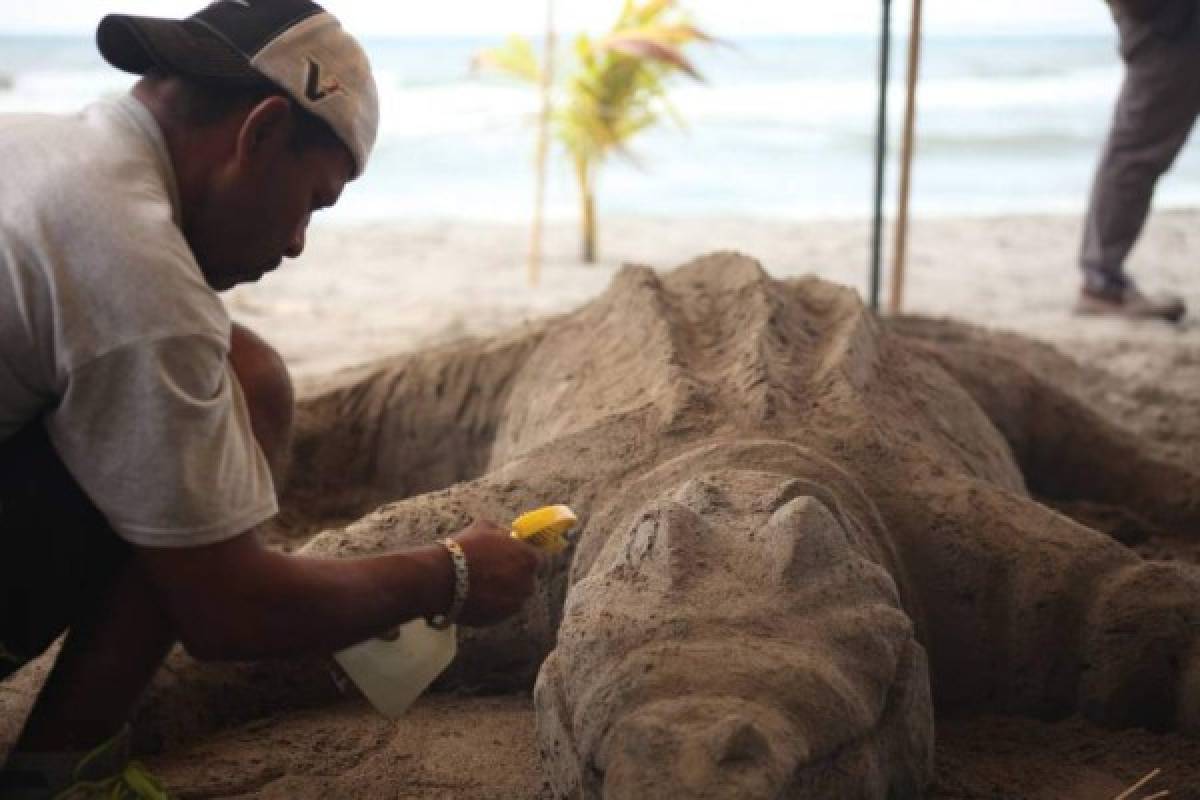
(461, 586)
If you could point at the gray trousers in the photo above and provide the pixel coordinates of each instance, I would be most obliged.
(1155, 111)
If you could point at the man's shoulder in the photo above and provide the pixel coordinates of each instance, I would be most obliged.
(69, 171)
(95, 230)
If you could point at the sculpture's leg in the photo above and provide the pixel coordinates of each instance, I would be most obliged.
(190, 699)
(500, 657)
(1029, 612)
(1067, 450)
(734, 640)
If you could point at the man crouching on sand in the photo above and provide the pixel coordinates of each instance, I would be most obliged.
(141, 432)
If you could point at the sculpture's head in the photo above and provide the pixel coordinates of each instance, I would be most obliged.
(736, 639)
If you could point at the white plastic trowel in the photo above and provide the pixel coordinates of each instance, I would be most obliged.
(393, 671)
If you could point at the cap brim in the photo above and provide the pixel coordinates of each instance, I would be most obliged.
(184, 47)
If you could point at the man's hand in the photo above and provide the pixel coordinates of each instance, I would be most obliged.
(501, 570)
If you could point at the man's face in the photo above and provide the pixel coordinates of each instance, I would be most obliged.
(259, 213)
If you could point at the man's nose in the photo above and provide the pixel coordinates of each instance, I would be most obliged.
(296, 245)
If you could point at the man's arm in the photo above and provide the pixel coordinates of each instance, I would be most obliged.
(240, 600)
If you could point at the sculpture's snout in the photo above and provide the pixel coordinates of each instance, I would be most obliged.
(700, 749)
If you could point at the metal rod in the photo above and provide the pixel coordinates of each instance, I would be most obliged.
(885, 41)
(900, 254)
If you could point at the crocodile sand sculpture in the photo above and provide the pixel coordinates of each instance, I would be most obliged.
(802, 529)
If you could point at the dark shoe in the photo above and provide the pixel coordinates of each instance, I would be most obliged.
(1127, 301)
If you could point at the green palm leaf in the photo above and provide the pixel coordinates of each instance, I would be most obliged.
(515, 58)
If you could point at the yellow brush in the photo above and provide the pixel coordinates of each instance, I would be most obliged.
(545, 527)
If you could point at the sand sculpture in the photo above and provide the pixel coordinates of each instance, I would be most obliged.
(801, 530)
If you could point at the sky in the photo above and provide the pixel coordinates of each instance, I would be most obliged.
(721, 17)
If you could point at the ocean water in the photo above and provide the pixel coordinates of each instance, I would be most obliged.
(780, 128)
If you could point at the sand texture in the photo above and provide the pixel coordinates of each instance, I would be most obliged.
(822, 555)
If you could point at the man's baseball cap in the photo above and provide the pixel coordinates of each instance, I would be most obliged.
(294, 44)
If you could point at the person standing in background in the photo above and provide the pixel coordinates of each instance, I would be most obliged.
(1156, 108)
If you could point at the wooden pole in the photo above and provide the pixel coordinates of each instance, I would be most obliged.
(885, 41)
(906, 154)
(543, 149)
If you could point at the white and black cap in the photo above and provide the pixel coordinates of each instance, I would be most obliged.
(293, 44)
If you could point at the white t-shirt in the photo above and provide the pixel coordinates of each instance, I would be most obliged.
(108, 328)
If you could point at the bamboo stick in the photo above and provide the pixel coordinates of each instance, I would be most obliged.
(906, 154)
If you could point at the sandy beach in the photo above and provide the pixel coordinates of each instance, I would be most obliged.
(370, 290)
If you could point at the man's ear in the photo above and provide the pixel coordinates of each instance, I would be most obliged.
(266, 129)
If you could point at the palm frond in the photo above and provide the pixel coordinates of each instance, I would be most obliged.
(515, 58)
(650, 11)
(641, 44)
(674, 33)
